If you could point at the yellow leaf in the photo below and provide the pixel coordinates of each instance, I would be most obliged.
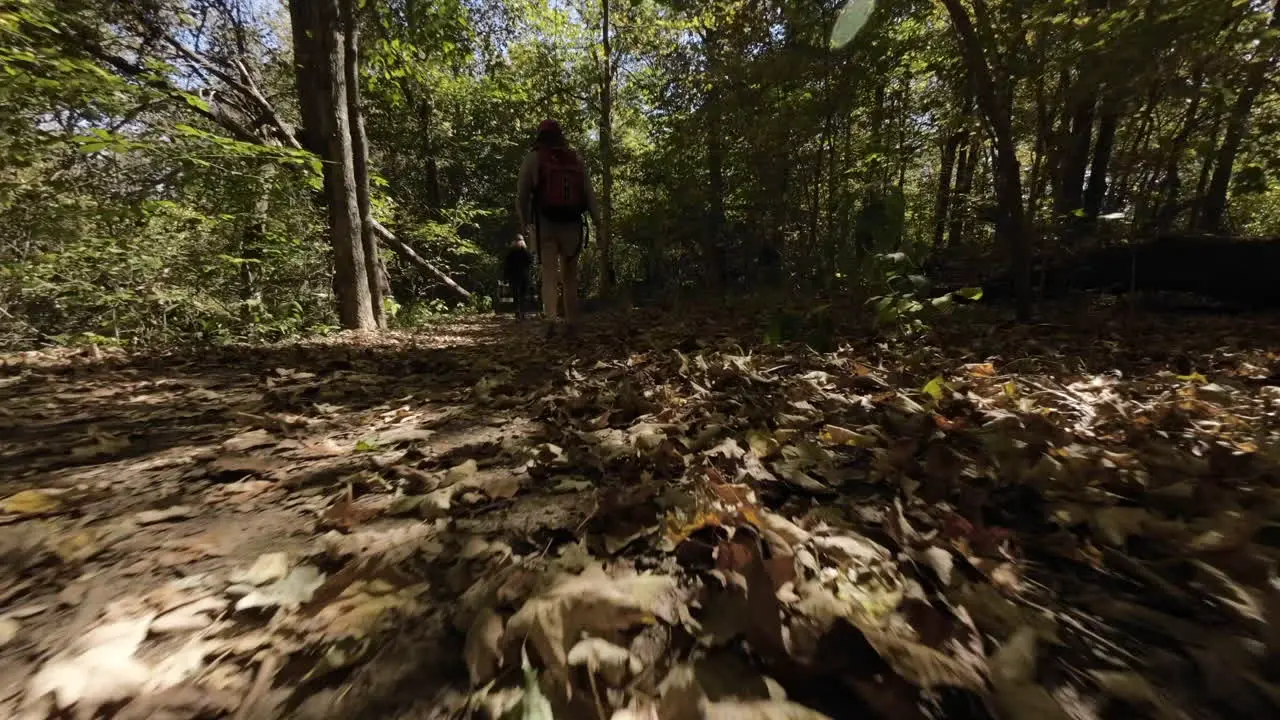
(762, 444)
(935, 388)
(836, 435)
(1194, 378)
(30, 502)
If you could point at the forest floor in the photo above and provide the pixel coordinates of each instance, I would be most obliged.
(664, 518)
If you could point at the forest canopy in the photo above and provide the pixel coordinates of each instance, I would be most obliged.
(165, 172)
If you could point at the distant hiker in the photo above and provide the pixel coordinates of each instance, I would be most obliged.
(515, 271)
(552, 195)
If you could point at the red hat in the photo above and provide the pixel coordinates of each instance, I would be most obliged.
(548, 126)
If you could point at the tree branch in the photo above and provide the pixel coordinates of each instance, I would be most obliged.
(401, 248)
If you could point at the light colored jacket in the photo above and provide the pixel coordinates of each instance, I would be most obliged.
(525, 187)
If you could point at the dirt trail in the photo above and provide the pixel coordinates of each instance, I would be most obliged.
(667, 522)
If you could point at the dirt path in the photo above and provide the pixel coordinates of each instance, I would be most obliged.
(1030, 521)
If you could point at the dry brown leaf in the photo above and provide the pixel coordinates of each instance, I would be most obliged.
(249, 440)
(591, 603)
(758, 710)
(612, 663)
(175, 512)
(1114, 525)
(9, 629)
(923, 666)
(483, 649)
(269, 567)
(836, 435)
(98, 669)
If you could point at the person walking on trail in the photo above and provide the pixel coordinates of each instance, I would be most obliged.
(552, 195)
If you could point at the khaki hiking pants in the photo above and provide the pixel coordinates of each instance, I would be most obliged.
(559, 271)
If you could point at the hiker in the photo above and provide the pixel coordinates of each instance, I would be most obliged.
(552, 195)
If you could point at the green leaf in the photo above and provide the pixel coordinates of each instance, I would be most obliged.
(970, 293)
(196, 102)
(934, 388)
(852, 17)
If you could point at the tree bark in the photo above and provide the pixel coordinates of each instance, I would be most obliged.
(966, 163)
(373, 267)
(942, 201)
(606, 155)
(712, 248)
(322, 91)
(993, 91)
(1069, 199)
(1214, 211)
(1099, 165)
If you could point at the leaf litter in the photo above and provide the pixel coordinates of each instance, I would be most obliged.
(968, 526)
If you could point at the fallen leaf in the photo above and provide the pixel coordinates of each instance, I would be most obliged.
(940, 560)
(483, 649)
(1114, 525)
(762, 444)
(9, 628)
(248, 441)
(98, 669)
(175, 669)
(290, 591)
(1013, 675)
(269, 567)
(31, 502)
(758, 710)
(404, 434)
(461, 473)
(610, 662)
(535, 705)
(836, 435)
(591, 603)
(176, 512)
(1137, 691)
(190, 617)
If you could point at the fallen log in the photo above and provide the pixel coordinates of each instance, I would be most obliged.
(402, 249)
(1237, 271)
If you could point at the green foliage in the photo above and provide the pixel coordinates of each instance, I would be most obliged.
(784, 145)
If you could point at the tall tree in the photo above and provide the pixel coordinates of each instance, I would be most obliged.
(993, 91)
(320, 49)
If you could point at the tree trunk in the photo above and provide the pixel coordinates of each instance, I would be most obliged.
(1214, 211)
(606, 156)
(966, 163)
(1108, 121)
(994, 93)
(942, 200)
(1075, 159)
(713, 239)
(377, 274)
(322, 91)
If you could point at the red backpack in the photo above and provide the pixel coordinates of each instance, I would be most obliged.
(562, 185)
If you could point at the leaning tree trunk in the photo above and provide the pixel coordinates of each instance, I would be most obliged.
(322, 94)
(376, 273)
